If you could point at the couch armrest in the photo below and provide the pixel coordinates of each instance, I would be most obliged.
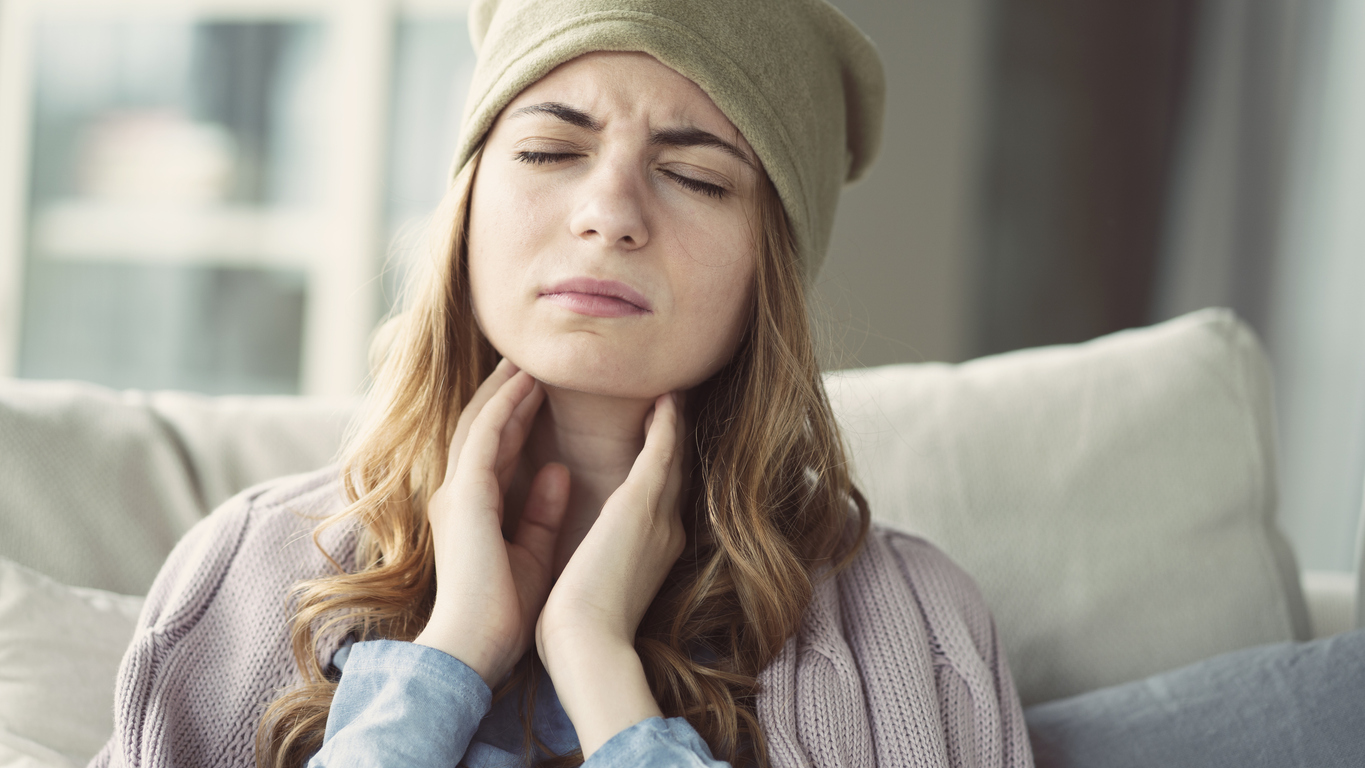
(1331, 599)
(1360, 570)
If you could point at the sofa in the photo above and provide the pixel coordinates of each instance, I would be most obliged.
(1115, 500)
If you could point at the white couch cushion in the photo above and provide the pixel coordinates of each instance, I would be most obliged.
(1114, 499)
(1331, 598)
(60, 649)
(99, 485)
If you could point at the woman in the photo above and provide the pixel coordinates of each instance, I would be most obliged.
(598, 509)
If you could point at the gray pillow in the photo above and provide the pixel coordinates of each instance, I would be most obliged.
(1288, 704)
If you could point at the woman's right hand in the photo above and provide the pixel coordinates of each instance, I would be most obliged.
(490, 591)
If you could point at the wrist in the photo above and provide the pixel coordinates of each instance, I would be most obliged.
(602, 687)
(575, 643)
(478, 656)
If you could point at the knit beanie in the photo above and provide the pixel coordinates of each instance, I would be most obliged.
(800, 82)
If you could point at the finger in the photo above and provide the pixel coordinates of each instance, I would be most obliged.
(504, 371)
(514, 434)
(662, 432)
(680, 430)
(673, 487)
(543, 516)
(651, 468)
(480, 450)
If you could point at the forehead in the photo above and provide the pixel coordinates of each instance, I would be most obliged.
(624, 87)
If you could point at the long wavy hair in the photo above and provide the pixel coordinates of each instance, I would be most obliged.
(770, 508)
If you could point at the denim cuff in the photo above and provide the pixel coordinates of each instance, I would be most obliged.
(655, 743)
(402, 702)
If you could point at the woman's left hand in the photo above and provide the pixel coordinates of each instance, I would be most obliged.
(586, 631)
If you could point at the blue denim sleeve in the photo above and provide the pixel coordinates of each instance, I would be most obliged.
(655, 743)
(402, 704)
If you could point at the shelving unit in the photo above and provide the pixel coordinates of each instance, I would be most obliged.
(337, 238)
(222, 236)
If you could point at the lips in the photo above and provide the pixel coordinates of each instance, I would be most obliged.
(597, 298)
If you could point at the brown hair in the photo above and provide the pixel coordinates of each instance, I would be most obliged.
(771, 503)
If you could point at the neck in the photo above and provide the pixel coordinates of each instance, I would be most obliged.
(598, 439)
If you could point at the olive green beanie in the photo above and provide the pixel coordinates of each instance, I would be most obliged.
(800, 82)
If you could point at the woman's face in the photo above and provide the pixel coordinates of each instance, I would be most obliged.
(612, 239)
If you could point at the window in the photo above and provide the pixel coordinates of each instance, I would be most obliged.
(200, 194)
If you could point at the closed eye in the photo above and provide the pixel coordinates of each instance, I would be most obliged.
(695, 185)
(686, 182)
(541, 158)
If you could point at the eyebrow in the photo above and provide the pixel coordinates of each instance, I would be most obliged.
(562, 111)
(668, 137)
(696, 137)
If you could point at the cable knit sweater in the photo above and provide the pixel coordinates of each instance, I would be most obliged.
(897, 662)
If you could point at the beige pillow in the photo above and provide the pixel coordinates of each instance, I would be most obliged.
(60, 649)
(99, 485)
(1113, 499)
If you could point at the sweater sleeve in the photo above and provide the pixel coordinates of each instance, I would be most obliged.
(177, 600)
(212, 647)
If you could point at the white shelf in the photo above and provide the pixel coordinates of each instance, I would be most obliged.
(87, 230)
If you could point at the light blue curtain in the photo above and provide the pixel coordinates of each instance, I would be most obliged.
(1317, 328)
(1268, 216)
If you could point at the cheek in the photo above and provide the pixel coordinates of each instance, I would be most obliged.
(498, 222)
(491, 290)
(481, 268)
(717, 264)
(727, 308)
(502, 241)
(718, 313)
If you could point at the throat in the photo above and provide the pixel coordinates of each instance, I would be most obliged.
(598, 438)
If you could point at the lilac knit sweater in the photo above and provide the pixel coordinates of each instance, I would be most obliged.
(896, 664)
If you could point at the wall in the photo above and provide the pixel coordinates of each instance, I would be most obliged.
(897, 284)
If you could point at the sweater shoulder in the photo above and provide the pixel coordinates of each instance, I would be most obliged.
(927, 656)
(285, 532)
(254, 536)
(928, 569)
(896, 568)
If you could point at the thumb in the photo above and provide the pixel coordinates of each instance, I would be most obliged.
(538, 529)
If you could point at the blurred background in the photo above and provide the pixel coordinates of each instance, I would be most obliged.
(205, 194)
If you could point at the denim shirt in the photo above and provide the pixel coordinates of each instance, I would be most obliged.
(407, 704)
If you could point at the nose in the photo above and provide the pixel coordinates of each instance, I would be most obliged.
(611, 210)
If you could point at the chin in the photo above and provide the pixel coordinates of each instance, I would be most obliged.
(595, 386)
(611, 367)
(592, 372)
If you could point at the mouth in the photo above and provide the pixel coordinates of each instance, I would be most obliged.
(598, 298)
